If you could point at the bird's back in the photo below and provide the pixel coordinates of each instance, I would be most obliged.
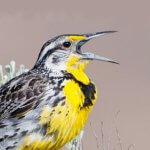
(20, 101)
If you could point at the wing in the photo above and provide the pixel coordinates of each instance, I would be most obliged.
(21, 94)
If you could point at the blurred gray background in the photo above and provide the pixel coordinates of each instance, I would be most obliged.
(26, 24)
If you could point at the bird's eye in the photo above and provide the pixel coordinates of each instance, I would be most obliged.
(67, 44)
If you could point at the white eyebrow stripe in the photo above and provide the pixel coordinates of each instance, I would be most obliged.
(46, 49)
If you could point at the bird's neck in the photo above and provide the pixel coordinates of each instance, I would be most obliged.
(76, 68)
(72, 66)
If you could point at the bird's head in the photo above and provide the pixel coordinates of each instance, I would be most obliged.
(64, 52)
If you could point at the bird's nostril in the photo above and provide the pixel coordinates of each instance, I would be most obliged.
(79, 50)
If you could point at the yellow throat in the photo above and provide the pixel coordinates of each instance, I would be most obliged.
(76, 68)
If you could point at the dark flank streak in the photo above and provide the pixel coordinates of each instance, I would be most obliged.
(23, 133)
(12, 135)
(10, 147)
(2, 125)
(57, 100)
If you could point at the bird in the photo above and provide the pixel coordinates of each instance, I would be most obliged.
(47, 106)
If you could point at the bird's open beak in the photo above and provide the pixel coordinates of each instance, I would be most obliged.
(91, 56)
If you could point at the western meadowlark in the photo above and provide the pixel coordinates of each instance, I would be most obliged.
(48, 106)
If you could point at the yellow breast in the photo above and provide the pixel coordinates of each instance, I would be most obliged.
(68, 120)
(65, 121)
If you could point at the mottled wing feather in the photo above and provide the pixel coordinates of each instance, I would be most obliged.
(21, 94)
